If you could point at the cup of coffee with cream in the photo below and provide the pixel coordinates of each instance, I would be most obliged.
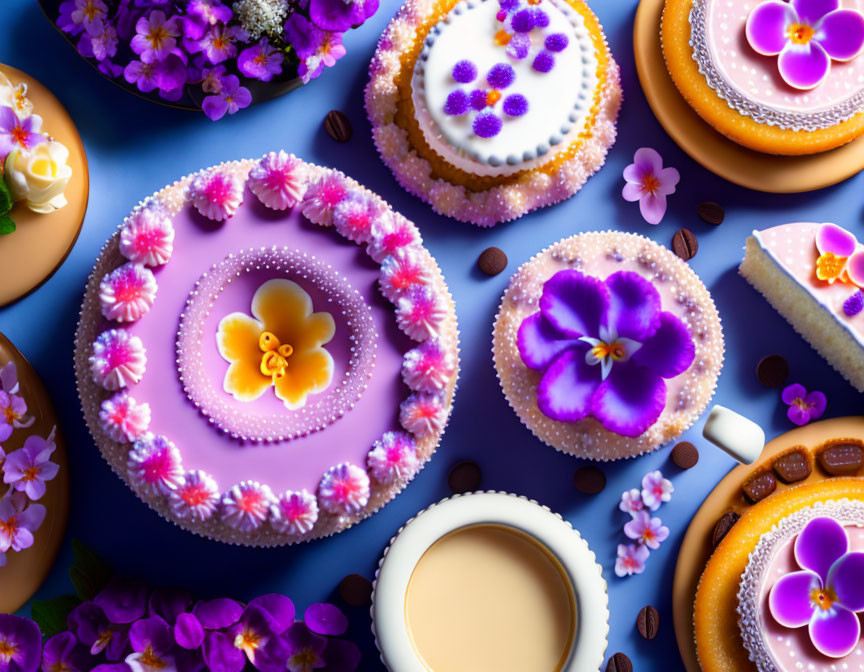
(489, 582)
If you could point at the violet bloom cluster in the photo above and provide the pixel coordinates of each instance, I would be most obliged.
(209, 50)
(129, 628)
(23, 472)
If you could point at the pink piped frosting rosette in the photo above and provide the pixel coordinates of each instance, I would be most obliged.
(111, 359)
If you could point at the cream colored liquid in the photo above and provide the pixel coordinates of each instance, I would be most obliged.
(488, 598)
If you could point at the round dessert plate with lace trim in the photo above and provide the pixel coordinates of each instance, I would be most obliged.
(266, 353)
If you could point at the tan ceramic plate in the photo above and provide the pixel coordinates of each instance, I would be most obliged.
(696, 548)
(41, 242)
(26, 570)
(714, 151)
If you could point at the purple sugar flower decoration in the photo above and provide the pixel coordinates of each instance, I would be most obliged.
(260, 61)
(18, 133)
(805, 35)
(827, 594)
(803, 406)
(854, 304)
(20, 644)
(649, 183)
(29, 468)
(230, 99)
(338, 16)
(544, 62)
(487, 123)
(464, 72)
(604, 348)
(156, 36)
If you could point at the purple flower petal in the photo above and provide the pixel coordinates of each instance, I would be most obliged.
(169, 603)
(645, 161)
(841, 34)
(217, 614)
(341, 656)
(836, 240)
(668, 179)
(767, 24)
(789, 600)
(188, 632)
(670, 350)
(816, 403)
(152, 633)
(539, 342)
(804, 66)
(633, 191)
(325, 619)
(653, 208)
(821, 543)
(25, 642)
(835, 631)
(798, 415)
(220, 653)
(575, 303)
(566, 389)
(634, 305)
(630, 400)
(855, 268)
(792, 392)
(810, 11)
(280, 608)
(844, 578)
(123, 600)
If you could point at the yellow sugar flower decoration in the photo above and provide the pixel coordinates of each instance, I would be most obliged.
(280, 345)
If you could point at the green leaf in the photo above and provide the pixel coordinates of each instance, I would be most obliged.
(7, 226)
(6, 201)
(50, 615)
(89, 572)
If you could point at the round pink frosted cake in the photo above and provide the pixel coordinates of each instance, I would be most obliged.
(607, 345)
(801, 594)
(266, 354)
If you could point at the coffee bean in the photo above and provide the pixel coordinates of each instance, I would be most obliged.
(772, 370)
(356, 590)
(842, 459)
(337, 126)
(492, 261)
(648, 622)
(760, 486)
(684, 244)
(792, 467)
(619, 663)
(589, 480)
(464, 477)
(722, 527)
(710, 212)
(685, 455)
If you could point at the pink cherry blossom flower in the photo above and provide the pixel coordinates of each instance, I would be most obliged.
(16, 133)
(156, 36)
(631, 559)
(18, 522)
(631, 501)
(656, 490)
(649, 183)
(230, 98)
(13, 414)
(646, 530)
(804, 406)
(30, 467)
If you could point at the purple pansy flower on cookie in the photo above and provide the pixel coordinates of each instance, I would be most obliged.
(483, 101)
(604, 348)
(827, 594)
(805, 35)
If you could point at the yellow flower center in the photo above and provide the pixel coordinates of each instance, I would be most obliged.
(11, 415)
(800, 33)
(614, 350)
(19, 135)
(304, 660)
(7, 650)
(502, 37)
(157, 37)
(150, 659)
(823, 598)
(830, 267)
(90, 10)
(650, 183)
(220, 43)
(274, 359)
(492, 97)
(248, 641)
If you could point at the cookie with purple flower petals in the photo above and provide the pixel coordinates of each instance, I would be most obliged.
(607, 345)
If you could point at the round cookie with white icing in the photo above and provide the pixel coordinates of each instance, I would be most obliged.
(607, 345)
(777, 76)
(266, 354)
(488, 109)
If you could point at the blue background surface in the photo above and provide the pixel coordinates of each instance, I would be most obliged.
(135, 148)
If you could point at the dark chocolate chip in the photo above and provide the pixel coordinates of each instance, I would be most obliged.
(619, 663)
(337, 126)
(758, 487)
(710, 212)
(685, 455)
(356, 590)
(772, 371)
(722, 527)
(492, 261)
(842, 459)
(464, 477)
(684, 244)
(648, 622)
(792, 467)
(589, 480)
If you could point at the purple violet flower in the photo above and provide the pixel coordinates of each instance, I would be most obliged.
(13, 414)
(230, 98)
(218, 43)
(261, 61)
(325, 619)
(99, 45)
(827, 594)
(156, 37)
(152, 646)
(805, 35)
(337, 16)
(305, 649)
(315, 48)
(29, 468)
(649, 183)
(803, 406)
(93, 629)
(142, 75)
(646, 530)
(188, 632)
(123, 600)
(169, 603)
(18, 133)
(255, 634)
(604, 348)
(63, 653)
(218, 614)
(203, 14)
(20, 644)
(18, 522)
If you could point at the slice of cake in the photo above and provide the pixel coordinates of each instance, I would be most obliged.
(812, 274)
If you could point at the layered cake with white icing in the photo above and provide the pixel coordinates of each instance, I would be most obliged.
(777, 76)
(266, 354)
(813, 274)
(488, 109)
(607, 345)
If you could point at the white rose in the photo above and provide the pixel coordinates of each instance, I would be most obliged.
(39, 176)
